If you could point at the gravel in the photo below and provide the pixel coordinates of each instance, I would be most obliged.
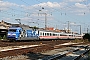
(19, 57)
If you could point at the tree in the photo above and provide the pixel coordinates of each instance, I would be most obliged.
(87, 36)
(34, 28)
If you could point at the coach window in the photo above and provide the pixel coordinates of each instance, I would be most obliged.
(63, 35)
(53, 34)
(50, 34)
(70, 35)
(45, 34)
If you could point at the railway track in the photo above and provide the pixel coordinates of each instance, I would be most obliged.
(38, 47)
(20, 50)
(75, 54)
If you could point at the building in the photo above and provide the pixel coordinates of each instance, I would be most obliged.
(50, 28)
(4, 28)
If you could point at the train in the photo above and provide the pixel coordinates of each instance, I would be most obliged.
(18, 33)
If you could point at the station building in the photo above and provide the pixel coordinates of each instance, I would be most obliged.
(4, 28)
(5, 25)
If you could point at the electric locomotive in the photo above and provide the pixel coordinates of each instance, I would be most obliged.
(18, 33)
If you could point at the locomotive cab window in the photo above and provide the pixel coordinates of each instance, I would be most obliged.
(12, 30)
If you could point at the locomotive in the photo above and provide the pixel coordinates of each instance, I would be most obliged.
(18, 33)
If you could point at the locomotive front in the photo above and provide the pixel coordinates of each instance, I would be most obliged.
(13, 33)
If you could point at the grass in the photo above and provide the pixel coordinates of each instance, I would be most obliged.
(80, 40)
(4, 37)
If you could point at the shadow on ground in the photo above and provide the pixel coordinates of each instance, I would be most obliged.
(35, 56)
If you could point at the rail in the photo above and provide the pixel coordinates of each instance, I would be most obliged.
(69, 55)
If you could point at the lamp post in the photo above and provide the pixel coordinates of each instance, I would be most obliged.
(74, 25)
(80, 29)
(19, 20)
(45, 19)
(88, 29)
(68, 27)
(35, 23)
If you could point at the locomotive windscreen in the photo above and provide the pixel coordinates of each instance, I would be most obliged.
(12, 30)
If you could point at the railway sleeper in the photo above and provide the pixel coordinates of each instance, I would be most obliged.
(58, 56)
(77, 58)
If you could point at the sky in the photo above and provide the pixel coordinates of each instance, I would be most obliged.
(57, 13)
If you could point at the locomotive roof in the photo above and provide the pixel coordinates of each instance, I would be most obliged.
(15, 28)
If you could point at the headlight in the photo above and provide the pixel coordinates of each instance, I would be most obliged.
(9, 34)
(13, 34)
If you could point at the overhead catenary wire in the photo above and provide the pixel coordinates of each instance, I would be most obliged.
(59, 11)
(28, 15)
